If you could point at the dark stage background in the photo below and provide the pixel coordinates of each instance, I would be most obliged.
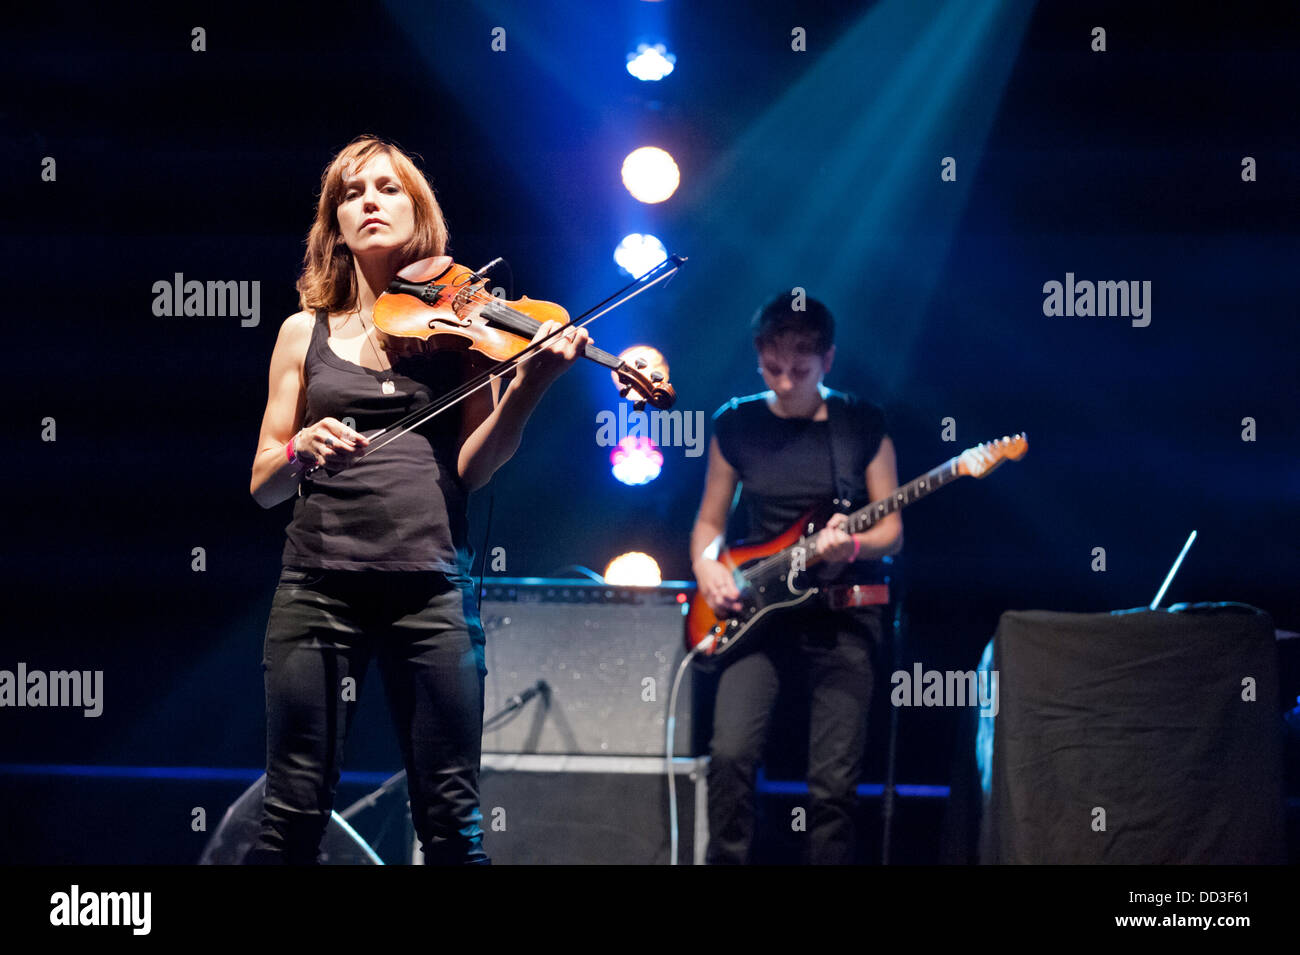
(818, 169)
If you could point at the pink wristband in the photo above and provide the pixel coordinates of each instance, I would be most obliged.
(857, 546)
(289, 451)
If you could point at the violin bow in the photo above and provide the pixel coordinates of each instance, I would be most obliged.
(666, 268)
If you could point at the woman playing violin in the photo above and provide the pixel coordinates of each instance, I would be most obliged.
(376, 558)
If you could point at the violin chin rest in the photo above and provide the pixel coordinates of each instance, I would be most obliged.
(426, 270)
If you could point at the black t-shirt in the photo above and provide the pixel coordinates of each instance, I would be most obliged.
(784, 464)
(402, 507)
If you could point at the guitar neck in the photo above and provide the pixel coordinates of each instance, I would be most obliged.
(909, 493)
(976, 462)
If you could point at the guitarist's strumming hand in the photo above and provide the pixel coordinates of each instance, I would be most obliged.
(717, 587)
(834, 543)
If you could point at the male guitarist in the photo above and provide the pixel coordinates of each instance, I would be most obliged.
(790, 448)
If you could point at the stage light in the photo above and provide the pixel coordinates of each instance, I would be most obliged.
(650, 63)
(650, 174)
(634, 569)
(644, 359)
(636, 461)
(637, 254)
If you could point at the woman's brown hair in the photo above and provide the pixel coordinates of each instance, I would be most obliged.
(328, 279)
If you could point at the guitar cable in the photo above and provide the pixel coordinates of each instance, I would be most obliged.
(487, 531)
(670, 726)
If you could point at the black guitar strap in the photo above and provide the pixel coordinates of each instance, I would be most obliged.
(849, 488)
(838, 419)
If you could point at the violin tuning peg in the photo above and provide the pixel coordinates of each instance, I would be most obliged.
(656, 376)
(640, 364)
(622, 392)
(639, 405)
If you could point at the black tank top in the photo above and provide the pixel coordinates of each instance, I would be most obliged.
(401, 507)
(787, 465)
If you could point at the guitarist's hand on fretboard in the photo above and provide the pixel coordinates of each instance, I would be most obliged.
(834, 545)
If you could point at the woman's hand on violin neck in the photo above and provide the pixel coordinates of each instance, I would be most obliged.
(539, 370)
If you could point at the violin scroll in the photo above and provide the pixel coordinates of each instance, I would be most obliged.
(642, 377)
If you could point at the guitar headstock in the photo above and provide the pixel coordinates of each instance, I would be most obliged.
(642, 377)
(983, 458)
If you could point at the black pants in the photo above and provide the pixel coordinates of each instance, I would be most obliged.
(830, 653)
(424, 630)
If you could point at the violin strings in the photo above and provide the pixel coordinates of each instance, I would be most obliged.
(673, 261)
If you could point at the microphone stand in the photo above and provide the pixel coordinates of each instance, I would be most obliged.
(890, 792)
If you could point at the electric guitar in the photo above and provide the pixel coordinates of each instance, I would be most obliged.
(773, 576)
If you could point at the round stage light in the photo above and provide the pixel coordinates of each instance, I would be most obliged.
(650, 174)
(637, 254)
(634, 569)
(644, 359)
(636, 461)
(650, 63)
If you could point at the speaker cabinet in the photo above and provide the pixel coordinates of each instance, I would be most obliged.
(602, 657)
(590, 810)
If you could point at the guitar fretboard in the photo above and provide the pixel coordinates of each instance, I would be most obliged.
(912, 491)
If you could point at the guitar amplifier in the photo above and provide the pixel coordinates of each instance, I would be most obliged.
(595, 663)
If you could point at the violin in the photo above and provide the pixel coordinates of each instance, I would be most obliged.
(446, 306)
(443, 305)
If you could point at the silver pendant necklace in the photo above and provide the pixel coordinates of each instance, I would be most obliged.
(386, 386)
